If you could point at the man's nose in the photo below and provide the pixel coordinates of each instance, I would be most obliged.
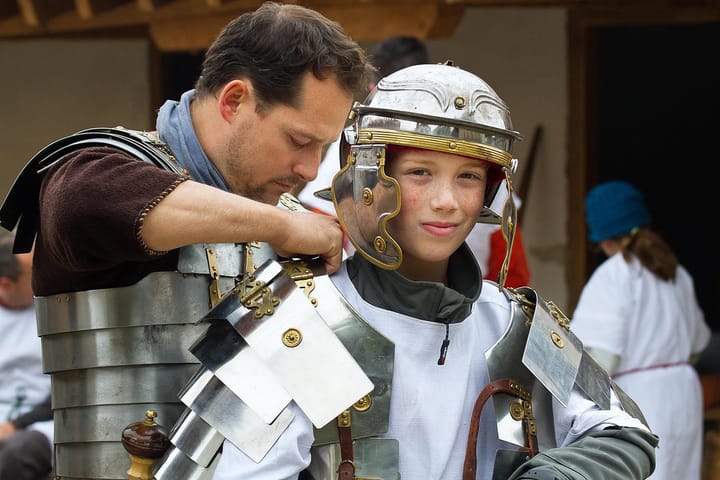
(306, 166)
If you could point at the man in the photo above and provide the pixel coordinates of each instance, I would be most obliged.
(128, 255)
(26, 428)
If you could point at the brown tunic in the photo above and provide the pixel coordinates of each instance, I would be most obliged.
(91, 211)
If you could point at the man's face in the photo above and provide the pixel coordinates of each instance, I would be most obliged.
(271, 152)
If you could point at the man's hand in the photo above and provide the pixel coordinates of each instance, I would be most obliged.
(312, 234)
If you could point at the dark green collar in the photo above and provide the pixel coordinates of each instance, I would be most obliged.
(431, 301)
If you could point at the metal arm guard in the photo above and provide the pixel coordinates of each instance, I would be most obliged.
(537, 358)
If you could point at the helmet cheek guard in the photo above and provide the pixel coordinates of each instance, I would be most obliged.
(365, 200)
(436, 107)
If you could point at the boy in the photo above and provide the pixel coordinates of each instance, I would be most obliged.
(422, 160)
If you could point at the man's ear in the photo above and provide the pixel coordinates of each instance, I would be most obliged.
(233, 97)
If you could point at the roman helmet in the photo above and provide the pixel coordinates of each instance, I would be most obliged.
(437, 107)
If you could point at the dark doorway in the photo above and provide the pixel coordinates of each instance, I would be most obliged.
(176, 72)
(657, 119)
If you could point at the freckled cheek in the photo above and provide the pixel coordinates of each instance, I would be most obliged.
(410, 201)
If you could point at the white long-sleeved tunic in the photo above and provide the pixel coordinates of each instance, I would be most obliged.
(653, 326)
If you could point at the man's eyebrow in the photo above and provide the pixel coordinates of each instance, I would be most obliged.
(306, 135)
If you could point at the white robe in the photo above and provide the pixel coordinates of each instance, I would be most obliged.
(431, 404)
(21, 372)
(627, 311)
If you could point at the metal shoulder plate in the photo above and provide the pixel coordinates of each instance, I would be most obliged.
(20, 207)
(542, 357)
(557, 358)
(267, 345)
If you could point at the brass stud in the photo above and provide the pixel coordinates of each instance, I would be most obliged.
(344, 419)
(292, 338)
(557, 339)
(367, 196)
(452, 146)
(363, 404)
(459, 103)
(379, 244)
(516, 411)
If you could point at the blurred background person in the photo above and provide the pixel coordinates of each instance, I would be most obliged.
(639, 317)
(26, 426)
(486, 240)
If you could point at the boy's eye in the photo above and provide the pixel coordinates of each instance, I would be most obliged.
(470, 175)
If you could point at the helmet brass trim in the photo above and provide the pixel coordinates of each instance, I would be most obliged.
(438, 144)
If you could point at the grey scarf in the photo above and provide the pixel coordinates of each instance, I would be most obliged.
(175, 129)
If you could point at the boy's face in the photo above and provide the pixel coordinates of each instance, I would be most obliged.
(442, 195)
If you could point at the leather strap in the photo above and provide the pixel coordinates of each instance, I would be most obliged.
(503, 385)
(346, 470)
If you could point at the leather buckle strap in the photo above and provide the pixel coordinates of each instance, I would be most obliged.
(509, 387)
(346, 470)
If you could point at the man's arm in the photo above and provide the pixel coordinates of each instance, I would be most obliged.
(127, 210)
(210, 215)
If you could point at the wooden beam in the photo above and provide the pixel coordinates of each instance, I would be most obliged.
(362, 22)
(519, 3)
(376, 23)
(187, 34)
(9, 9)
(91, 8)
(36, 13)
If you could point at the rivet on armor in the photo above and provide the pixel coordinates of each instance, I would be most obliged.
(292, 337)
(344, 419)
(557, 339)
(516, 411)
(452, 146)
(459, 103)
(369, 135)
(379, 244)
(363, 404)
(367, 196)
(532, 426)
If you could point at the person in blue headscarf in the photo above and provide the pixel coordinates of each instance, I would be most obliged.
(638, 315)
